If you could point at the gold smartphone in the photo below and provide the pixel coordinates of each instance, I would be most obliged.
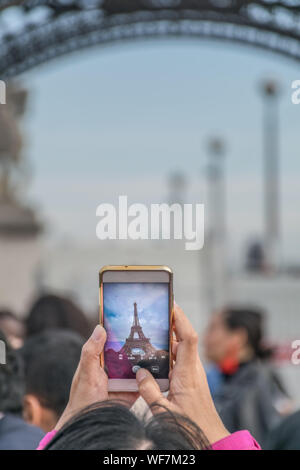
(136, 308)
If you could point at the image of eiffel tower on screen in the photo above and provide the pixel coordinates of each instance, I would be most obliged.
(137, 339)
(136, 319)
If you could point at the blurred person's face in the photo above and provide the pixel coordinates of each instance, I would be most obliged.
(13, 330)
(220, 342)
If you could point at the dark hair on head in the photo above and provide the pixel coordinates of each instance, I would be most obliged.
(50, 360)
(252, 321)
(112, 426)
(11, 380)
(52, 311)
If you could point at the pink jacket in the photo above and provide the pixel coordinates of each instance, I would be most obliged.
(240, 440)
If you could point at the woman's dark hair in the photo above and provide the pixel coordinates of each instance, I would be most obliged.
(52, 311)
(112, 426)
(252, 321)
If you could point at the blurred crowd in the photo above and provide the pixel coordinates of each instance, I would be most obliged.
(43, 351)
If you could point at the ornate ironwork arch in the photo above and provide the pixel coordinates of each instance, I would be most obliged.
(35, 31)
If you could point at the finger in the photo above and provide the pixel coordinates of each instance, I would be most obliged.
(187, 348)
(174, 335)
(183, 327)
(89, 361)
(174, 349)
(149, 388)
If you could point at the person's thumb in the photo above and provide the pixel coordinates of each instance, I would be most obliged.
(148, 387)
(89, 360)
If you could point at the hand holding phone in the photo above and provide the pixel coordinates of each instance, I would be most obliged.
(189, 392)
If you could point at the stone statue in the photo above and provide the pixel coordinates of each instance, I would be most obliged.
(15, 218)
(12, 175)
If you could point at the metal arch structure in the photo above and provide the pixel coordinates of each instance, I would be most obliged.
(33, 32)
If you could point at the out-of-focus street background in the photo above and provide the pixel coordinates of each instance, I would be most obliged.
(173, 120)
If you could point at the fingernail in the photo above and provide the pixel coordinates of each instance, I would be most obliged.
(141, 375)
(97, 333)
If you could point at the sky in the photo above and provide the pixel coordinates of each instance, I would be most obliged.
(152, 306)
(117, 120)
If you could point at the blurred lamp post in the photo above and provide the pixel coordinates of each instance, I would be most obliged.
(217, 223)
(270, 92)
(216, 184)
(177, 187)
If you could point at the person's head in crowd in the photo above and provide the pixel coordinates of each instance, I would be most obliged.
(112, 426)
(12, 327)
(50, 360)
(14, 432)
(236, 335)
(52, 311)
(11, 380)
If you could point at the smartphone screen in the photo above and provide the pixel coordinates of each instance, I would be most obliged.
(136, 320)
